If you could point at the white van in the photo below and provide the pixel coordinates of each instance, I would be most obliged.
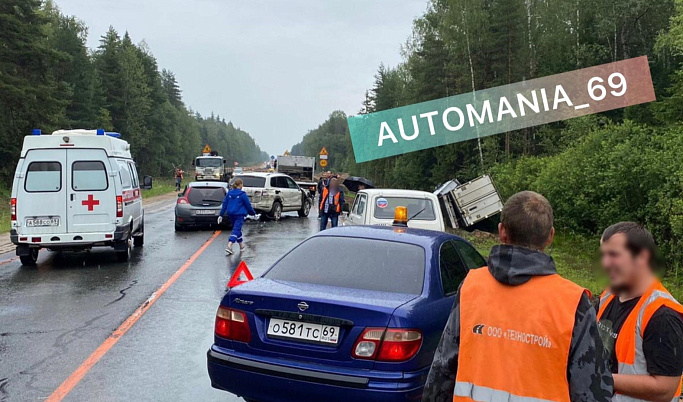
(377, 206)
(74, 190)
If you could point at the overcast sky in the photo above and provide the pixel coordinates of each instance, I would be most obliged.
(274, 68)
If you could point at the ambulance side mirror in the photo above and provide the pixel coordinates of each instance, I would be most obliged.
(146, 183)
(346, 208)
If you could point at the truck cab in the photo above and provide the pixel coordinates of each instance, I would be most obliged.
(376, 207)
(209, 167)
(74, 190)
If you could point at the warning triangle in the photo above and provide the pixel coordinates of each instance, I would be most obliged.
(323, 151)
(236, 278)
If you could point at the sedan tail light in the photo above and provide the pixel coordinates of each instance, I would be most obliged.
(232, 324)
(13, 209)
(183, 199)
(387, 345)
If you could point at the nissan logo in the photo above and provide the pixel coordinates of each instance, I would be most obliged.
(303, 306)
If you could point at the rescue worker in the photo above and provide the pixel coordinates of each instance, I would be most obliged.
(178, 176)
(331, 202)
(639, 321)
(236, 203)
(518, 331)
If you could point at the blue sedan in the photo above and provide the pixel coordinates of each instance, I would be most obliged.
(361, 323)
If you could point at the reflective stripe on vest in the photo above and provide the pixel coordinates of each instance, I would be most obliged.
(515, 340)
(323, 200)
(479, 393)
(629, 343)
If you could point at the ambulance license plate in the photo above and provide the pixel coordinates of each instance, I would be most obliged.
(303, 331)
(205, 212)
(38, 222)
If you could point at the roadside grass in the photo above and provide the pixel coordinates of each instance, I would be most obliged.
(577, 258)
(160, 187)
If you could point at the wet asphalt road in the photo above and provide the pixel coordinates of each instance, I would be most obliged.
(53, 316)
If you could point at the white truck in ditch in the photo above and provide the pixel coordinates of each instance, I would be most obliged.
(74, 190)
(451, 205)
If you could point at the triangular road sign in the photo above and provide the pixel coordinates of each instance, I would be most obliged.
(236, 278)
(323, 151)
(207, 149)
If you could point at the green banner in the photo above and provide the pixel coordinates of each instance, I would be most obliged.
(501, 109)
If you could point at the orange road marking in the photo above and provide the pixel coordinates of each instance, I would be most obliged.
(63, 390)
(8, 261)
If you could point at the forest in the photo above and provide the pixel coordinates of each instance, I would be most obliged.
(50, 80)
(596, 170)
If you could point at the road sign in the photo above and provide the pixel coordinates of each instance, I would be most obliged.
(323, 151)
(323, 162)
(207, 149)
(286, 153)
(237, 277)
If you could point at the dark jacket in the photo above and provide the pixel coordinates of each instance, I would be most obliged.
(236, 202)
(587, 371)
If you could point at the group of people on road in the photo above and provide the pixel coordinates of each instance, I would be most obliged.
(518, 332)
(331, 200)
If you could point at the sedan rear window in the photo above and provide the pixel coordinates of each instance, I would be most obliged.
(206, 195)
(253, 181)
(43, 177)
(355, 263)
(385, 206)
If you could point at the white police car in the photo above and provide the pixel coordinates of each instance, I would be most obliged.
(74, 190)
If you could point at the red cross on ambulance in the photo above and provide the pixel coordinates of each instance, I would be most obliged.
(90, 202)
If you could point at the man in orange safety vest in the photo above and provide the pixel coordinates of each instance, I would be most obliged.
(519, 332)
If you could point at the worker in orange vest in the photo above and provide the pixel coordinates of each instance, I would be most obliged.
(518, 331)
(639, 321)
(331, 203)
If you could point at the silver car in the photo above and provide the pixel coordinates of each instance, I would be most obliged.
(271, 194)
(200, 204)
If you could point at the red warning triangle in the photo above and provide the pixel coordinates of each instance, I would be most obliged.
(236, 278)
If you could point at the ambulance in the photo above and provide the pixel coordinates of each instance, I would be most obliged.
(74, 190)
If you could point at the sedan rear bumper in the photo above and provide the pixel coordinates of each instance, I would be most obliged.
(265, 381)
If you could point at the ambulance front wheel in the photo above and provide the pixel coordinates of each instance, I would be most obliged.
(31, 258)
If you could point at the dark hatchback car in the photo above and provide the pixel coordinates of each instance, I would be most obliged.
(200, 204)
(362, 324)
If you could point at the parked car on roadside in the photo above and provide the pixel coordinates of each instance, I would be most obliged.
(360, 328)
(200, 204)
(271, 194)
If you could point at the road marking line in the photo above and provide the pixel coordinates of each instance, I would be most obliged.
(63, 390)
(8, 261)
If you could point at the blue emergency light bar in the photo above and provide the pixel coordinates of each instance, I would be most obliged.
(100, 131)
(115, 135)
(36, 131)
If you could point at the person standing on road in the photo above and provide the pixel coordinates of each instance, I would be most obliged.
(639, 321)
(331, 202)
(178, 178)
(322, 183)
(518, 331)
(236, 203)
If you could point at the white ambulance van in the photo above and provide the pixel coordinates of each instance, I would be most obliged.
(74, 190)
